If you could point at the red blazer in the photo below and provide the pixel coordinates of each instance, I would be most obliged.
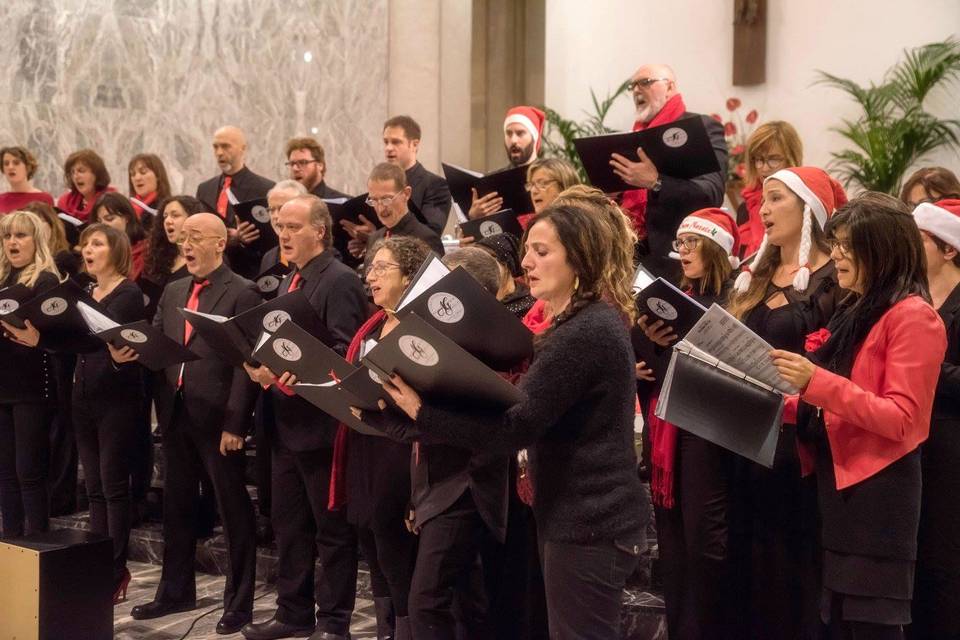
(882, 412)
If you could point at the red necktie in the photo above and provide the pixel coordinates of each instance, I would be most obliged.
(295, 282)
(192, 304)
(223, 200)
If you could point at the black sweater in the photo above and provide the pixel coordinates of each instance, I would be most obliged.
(576, 418)
(26, 374)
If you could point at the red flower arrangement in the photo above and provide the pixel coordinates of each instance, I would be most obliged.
(816, 340)
(736, 133)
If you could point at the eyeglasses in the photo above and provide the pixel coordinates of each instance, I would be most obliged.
(539, 185)
(194, 239)
(842, 245)
(774, 162)
(299, 164)
(380, 268)
(382, 202)
(643, 83)
(687, 244)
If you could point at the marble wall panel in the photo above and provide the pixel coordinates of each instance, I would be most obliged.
(127, 76)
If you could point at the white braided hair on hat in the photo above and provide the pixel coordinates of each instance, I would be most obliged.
(742, 283)
(802, 280)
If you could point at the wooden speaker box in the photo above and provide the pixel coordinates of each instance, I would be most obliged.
(56, 585)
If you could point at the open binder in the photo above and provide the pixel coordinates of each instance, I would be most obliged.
(510, 184)
(256, 213)
(503, 221)
(155, 349)
(55, 315)
(721, 385)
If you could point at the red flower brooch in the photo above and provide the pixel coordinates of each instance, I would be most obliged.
(816, 340)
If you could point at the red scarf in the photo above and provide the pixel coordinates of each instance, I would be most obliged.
(337, 496)
(752, 231)
(634, 202)
(148, 199)
(138, 255)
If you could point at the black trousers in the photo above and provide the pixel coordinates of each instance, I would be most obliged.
(62, 477)
(839, 629)
(106, 433)
(141, 454)
(188, 449)
(584, 584)
(447, 590)
(24, 452)
(263, 422)
(305, 531)
(390, 551)
(693, 540)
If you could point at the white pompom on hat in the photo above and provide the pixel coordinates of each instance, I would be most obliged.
(940, 219)
(821, 195)
(717, 225)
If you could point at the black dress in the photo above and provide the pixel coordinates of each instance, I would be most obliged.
(775, 549)
(378, 490)
(936, 596)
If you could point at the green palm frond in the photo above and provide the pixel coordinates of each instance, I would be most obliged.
(894, 131)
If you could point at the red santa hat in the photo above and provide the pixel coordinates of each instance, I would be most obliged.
(717, 225)
(530, 118)
(940, 219)
(821, 195)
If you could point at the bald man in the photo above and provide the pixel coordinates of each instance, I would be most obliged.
(661, 202)
(236, 183)
(203, 408)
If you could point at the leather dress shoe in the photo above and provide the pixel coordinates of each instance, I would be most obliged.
(232, 621)
(157, 609)
(273, 629)
(329, 635)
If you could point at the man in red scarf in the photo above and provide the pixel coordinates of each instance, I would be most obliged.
(661, 202)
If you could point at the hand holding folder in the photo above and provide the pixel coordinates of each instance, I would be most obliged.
(155, 350)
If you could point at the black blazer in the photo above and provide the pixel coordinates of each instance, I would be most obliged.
(408, 226)
(96, 374)
(431, 199)
(27, 373)
(325, 192)
(678, 198)
(216, 396)
(335, 292)
(246, 185)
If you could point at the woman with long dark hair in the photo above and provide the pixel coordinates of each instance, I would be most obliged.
(576, 416)
(114, 210)
(867, 394)
(692, 478)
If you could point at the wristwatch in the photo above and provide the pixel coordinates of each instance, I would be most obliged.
(656, 185)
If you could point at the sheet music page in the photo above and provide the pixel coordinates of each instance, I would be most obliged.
(97, 322)
(209, 316)
(428, 277)
(725, 338)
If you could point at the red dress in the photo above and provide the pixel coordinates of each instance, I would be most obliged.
(15, 200)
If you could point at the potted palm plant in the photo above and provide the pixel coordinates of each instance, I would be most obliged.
(894, 130)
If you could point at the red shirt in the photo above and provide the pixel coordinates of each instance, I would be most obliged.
(15, 200)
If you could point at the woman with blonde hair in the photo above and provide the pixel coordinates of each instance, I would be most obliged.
(772, 146)
(27, 392)
(575, 416)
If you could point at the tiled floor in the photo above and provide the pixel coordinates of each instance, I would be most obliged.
(200, 623)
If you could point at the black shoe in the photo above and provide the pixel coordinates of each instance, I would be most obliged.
(233, 621)
(273, 629)
(157, 609)
(329, 635)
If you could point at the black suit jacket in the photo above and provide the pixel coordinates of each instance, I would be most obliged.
(408, 226)
(216, 396)
(325, 192)
(431, 199)
(337, 295)
(677, 199)
(246, 185)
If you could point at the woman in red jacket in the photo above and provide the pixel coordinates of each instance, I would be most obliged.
(867, 398)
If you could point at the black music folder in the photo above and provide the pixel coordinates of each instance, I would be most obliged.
(156, 349)
(461, 309)
(269, 281)
(55, 315)
(504, 221)
(705, 397)
(660, 300)
(233, 338)
(435, 366)
(12, 297)
(256, 213)
(426, 276)
(321, 373)
(510, 184)
(349, 209)
(679, 149)
(72, 227)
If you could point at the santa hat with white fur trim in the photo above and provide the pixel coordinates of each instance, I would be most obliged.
(717, 225)
(940, 219)
(530, 118)
(821, 195)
